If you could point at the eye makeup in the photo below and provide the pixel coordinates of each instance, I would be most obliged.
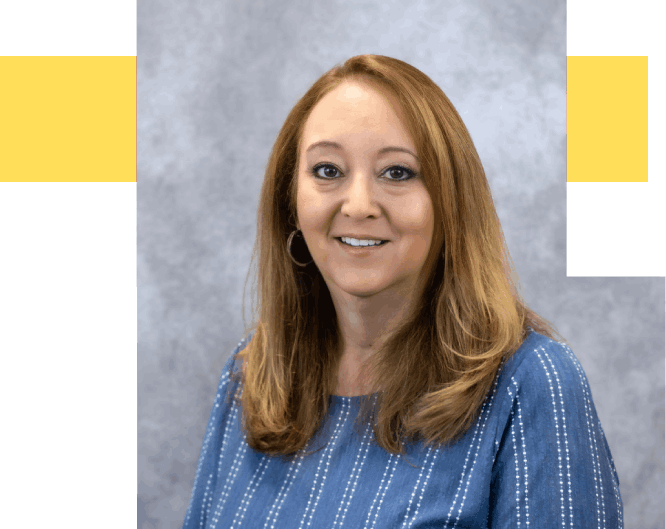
(408, 174)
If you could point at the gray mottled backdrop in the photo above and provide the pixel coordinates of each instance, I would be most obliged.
(216, 79)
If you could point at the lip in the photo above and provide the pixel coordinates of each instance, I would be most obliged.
(361, 237)
(360, 250)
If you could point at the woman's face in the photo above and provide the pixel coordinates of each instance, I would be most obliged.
(364, 189)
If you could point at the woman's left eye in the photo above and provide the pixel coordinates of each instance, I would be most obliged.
(406, 173)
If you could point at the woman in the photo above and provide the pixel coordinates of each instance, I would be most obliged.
(386, 296)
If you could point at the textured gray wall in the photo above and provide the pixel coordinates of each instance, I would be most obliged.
(216, 79)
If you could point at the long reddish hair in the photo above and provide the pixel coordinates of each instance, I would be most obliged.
(434, 370)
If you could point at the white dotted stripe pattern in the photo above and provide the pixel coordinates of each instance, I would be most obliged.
(518, 441)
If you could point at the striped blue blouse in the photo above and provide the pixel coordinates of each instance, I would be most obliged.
(536, 457)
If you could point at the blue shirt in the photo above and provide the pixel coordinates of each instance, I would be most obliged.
(536, 458)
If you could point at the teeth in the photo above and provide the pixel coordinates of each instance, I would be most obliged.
(360, 242)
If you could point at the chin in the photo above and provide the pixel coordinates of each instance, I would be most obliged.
(361, 287)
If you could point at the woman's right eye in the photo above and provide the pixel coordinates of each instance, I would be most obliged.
(316, 169)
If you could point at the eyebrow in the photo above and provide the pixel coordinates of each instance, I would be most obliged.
(334, 145)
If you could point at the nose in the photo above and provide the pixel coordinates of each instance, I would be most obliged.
(360, 197)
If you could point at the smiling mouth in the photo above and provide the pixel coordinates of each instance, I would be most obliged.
(361, 245)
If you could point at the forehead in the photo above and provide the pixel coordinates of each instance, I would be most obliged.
(356, 109)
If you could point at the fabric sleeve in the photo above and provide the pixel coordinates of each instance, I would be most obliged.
(204, 479)
(553, 467)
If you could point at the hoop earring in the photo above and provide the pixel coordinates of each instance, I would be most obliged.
(289, 241)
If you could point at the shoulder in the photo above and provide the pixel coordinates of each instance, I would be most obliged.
(236, 362)
(545, 380)
(540, 363)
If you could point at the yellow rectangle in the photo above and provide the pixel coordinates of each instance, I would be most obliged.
(68, 119)
(607, 119)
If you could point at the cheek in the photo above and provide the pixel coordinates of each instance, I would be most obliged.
(420, 219)
(305, 205)
(311, 209)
